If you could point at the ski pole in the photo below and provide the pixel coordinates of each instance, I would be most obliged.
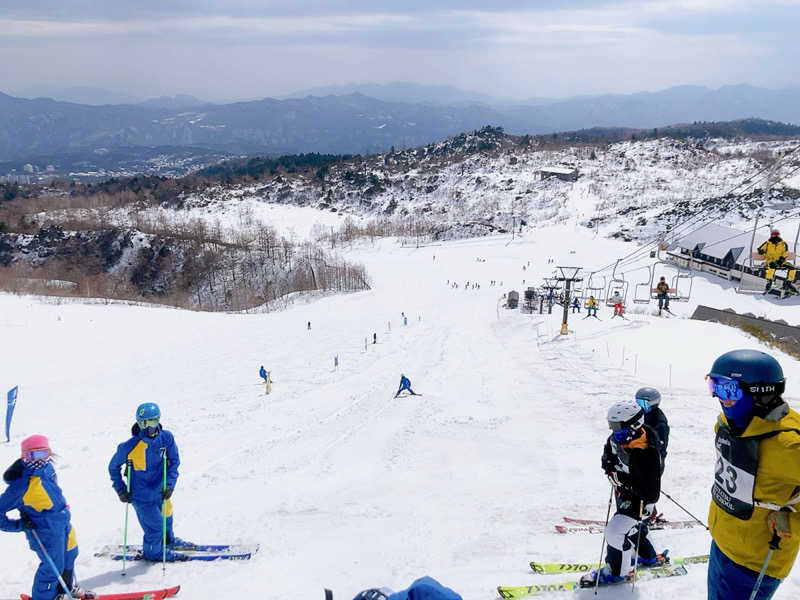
(638, 541)
(163, 512)
(773, 545)
(128, 466)
(684, 510)
(603, 544)
(53, 565)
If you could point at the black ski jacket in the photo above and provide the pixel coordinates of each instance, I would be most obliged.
(638, 468)
(658, 421)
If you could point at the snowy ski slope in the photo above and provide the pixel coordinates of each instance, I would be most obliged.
(343, 486)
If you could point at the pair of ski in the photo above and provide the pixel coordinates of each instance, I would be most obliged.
(193, 552)
(160, 594)
(675, 567)
(597, 526)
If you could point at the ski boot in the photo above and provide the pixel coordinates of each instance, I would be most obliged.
(77, 593)
(606, 577)
(654, 561)
(179, 544)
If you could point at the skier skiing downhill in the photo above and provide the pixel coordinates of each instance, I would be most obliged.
(44, 517)
(650, 399)
(662, 293)
(756, 487)
(633, 464)
(405, 384)
(150, 452)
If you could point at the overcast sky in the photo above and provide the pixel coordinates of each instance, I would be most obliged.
(226, 49)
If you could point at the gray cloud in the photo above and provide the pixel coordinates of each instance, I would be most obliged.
(235, 48)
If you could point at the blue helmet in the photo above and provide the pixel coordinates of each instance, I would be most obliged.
(148, 416)
(751, 375)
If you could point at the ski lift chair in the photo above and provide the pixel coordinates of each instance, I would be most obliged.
(619, 287)
(594, 288)
(681, 292)
(642, 292)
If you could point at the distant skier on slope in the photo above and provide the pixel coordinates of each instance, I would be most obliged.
(153, 457)
(756, 486)
(633, 465)
(662, 293)
(775, 252)
(405, 384)
(33, 490)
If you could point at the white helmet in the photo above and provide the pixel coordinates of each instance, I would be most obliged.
(625, 413)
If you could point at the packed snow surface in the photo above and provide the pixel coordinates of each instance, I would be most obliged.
(344, 486)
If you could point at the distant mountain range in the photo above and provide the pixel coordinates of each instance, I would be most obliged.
(355, 123)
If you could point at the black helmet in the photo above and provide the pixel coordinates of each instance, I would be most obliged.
(651, 395)
(758, 374)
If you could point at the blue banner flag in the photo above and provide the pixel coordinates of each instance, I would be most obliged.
(12, 402)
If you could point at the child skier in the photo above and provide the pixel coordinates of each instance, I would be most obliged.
(405, 384)
(153, 458)
(650, 399)
(633, 465)
(44, 517)
(576, 305)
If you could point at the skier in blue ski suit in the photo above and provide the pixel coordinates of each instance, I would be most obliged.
(405, 384)
(33, 490)
(146, 450)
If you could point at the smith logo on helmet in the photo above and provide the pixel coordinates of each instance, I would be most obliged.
(762, 389)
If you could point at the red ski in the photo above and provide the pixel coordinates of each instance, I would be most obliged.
(148, 595)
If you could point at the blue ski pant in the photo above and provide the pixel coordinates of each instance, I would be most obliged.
(60, 545)
(728, 580)
(149, 515)
(404, 387)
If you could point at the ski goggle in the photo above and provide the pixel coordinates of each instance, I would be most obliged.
(731, 390)
(623, 434)
(644, 404)
(146, 423)
(37, 454)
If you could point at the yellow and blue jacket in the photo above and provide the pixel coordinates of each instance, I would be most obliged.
(777, 482)
(145, 454)
(35, 493)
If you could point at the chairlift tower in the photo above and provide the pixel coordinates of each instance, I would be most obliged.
(568, 276)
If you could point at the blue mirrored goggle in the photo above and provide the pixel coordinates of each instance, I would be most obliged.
(37, 454)
(724, 388)
(732, 390)
(622, 434)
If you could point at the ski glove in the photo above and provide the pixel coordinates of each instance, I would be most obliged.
(778, 521)
(124, 497)
(614, 479)
(648, 509)
(26, 523)
(166, 493)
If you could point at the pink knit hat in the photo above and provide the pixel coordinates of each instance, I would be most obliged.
(34, 442)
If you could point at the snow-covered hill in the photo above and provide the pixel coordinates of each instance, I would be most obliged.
(342, 485)
(630, 189)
